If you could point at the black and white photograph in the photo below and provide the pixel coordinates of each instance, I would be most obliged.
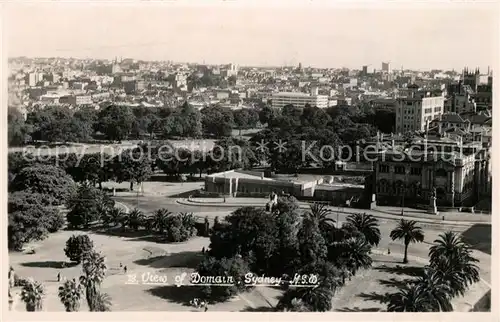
(229, 157)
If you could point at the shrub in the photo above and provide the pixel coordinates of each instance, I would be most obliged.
(19, 281)
(77, 246)
(56, 222)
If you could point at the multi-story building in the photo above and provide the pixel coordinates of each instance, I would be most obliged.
(460, 98)
(76, 100)
(415, 111)
(279, 100)
(461, 174)
(31, 79)
(134, 86)
(386, 67)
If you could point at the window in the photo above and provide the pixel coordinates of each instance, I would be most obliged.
(441, 173)
(383, 168)
(399, 169)
(416, 171)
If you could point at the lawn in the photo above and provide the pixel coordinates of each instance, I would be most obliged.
(140, 255)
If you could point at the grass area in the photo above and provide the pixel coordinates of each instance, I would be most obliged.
(139, 255)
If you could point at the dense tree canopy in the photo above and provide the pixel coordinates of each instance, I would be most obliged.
(31, 218)
(45, 179)
(217, 121)
(115, 122)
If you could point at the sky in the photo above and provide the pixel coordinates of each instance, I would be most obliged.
(448, 37)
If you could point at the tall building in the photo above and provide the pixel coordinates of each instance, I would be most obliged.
(471, 78)
(460, 99)
(279, 100)
(414, 112)
(386, 67)
(364, 71)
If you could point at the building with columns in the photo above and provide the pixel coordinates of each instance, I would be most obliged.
(240, 183)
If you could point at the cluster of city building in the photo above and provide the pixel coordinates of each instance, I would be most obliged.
(452, 108)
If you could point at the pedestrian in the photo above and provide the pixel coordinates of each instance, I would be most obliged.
(121, 265)
(388, 251)
(125, 269)
(206, 307)
(59, 277)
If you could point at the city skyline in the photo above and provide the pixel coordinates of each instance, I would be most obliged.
(256, 37)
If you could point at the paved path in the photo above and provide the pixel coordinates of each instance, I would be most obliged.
(381, 212)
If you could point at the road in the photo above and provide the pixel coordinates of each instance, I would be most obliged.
(477, 235)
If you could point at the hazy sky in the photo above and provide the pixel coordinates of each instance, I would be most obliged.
(315, 36)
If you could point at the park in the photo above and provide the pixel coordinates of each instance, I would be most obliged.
(365, 291)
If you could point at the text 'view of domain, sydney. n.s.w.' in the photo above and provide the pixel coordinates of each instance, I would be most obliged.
(249, 159)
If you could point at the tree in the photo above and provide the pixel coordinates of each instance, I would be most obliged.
(131, 166)
(367, 225)
(241, 119)
(77, 247)
(296, 305)
(319, 213)
(160, 219)
(115, 122)
(286, 259)
(315, 299)
(18, 161)
(135, 219)
(117, 216)
(60, 124)
(103, 302)
(45, 179)
(89, 205)
(32, 295)
(352, 254)
(18, 131)
(409, 299)
(409, 232)
(233, 267)
(217, 121)
(94, 271)
(94, 168)
(266, 114)
(70, 294)
(315, 117)
(451, 259)
(30, 218)
(438, 292)
(249, 232)
(312, 246)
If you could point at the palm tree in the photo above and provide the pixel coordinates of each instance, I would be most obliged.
(135, 219)
(438, 292)
(94, 270)
(70, 294)
(409, 299)
(160, 219)
(448, 245)
(188, 222)
(319, 213)
(409, 232)
(32, 294)
(103, 302)
(452, 259)
(356, 255)
(116, 215)
(367, 225)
